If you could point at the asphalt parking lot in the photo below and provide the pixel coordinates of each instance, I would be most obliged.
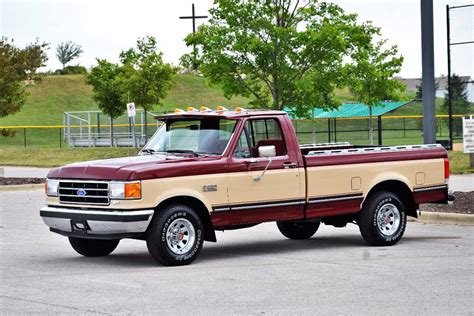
(251, 271)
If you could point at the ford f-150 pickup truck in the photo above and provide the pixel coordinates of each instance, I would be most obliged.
(207, 170)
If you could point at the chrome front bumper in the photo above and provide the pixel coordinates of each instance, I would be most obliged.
(96, 223)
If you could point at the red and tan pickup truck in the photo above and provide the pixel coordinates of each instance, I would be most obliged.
(207, 170)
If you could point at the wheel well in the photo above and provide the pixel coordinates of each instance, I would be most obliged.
(401, 190)
(200, 208)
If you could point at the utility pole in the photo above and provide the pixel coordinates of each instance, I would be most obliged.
(193, 16)
(428, 80)
(450, 102)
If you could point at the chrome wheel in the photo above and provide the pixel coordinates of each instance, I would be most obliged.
(180, 236)
(388, 219)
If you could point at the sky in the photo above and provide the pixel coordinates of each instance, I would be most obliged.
(104, 28)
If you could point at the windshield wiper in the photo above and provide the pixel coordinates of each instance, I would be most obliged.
(182, 151)
(148, 151)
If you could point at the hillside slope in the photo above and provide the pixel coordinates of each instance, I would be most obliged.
(54, 95)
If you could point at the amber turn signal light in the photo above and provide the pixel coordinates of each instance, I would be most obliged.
(133, 190)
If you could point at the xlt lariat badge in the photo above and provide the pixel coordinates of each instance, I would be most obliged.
(209, 187)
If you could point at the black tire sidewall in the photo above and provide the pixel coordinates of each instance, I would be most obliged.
(156, 237)
(93, 247)
(397, 235)
(298, 230)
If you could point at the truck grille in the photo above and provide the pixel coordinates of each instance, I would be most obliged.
(84, 192)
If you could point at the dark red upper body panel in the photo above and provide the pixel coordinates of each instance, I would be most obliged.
(161, 166)
(140, 168)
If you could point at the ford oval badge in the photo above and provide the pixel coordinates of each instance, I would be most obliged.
(81, 192)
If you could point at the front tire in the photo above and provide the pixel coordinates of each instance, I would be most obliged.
(298, 230)
(382, 220)
(93, 247)
(175, 236)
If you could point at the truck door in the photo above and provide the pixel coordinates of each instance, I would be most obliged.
(265, 181)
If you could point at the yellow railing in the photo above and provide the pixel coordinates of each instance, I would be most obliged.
(151, 124)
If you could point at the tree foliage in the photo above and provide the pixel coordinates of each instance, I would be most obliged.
(67, 51)
(145, 77)
(16, 66)
(419, 90)
(370, 74)
(459, 96)
(107, 87)
(279, 52)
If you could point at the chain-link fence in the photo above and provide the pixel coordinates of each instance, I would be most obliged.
(388, 130)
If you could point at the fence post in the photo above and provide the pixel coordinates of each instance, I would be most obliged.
(98, 124)
(24, 137)
(329, 130)
(404, 129)
(68, 130)
(89, 137)
(335, 131)
(379, 125)
(60, 138)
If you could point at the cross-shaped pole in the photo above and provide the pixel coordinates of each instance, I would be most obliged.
(194, 17)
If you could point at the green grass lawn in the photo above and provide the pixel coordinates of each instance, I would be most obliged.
(54, 157)
(47, 157)
(54, 95)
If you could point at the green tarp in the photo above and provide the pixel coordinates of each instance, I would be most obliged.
(354, 110)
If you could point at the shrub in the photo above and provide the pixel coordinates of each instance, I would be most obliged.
(72, 70)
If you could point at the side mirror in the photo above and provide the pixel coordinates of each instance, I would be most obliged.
(267, 151)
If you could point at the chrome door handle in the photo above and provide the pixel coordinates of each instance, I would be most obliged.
(290, 165)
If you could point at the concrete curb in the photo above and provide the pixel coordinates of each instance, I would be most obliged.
(444, 218)
(22, 187)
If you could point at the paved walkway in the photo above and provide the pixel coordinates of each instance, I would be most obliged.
(463, 183)
(252, 271)
(23, 172)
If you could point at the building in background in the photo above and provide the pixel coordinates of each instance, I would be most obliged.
(442, 82)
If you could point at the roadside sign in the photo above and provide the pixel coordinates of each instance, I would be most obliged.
(131, 109)
(468, 134)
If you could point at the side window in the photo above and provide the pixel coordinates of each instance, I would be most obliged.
(262, 132)
(242, 149)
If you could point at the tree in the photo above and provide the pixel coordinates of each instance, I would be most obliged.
(145, 77)
(16, 66)
(67, 51)
(108, 90)
(419, 90)
(142, 78)
(280, 53)
(371, 72)
(459, 100)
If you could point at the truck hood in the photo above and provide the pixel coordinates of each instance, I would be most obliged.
(140, 168)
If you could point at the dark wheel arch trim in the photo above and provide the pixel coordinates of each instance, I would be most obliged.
(199, 207)
(399, 188)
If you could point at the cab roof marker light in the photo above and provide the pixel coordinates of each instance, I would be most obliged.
(204, 109)
(240, 110)
(179, 111)
(221, 109)
(191, 109)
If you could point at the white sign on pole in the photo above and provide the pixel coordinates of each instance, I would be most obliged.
(468, 134)
(131, 109)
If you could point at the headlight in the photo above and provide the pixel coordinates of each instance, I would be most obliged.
(51, 187)
(125, 190)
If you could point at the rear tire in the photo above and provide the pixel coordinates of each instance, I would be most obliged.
(382, 220)
(93, 247)
(175, 235)
(298, 230)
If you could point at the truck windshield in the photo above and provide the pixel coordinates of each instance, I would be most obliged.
(207, 136)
